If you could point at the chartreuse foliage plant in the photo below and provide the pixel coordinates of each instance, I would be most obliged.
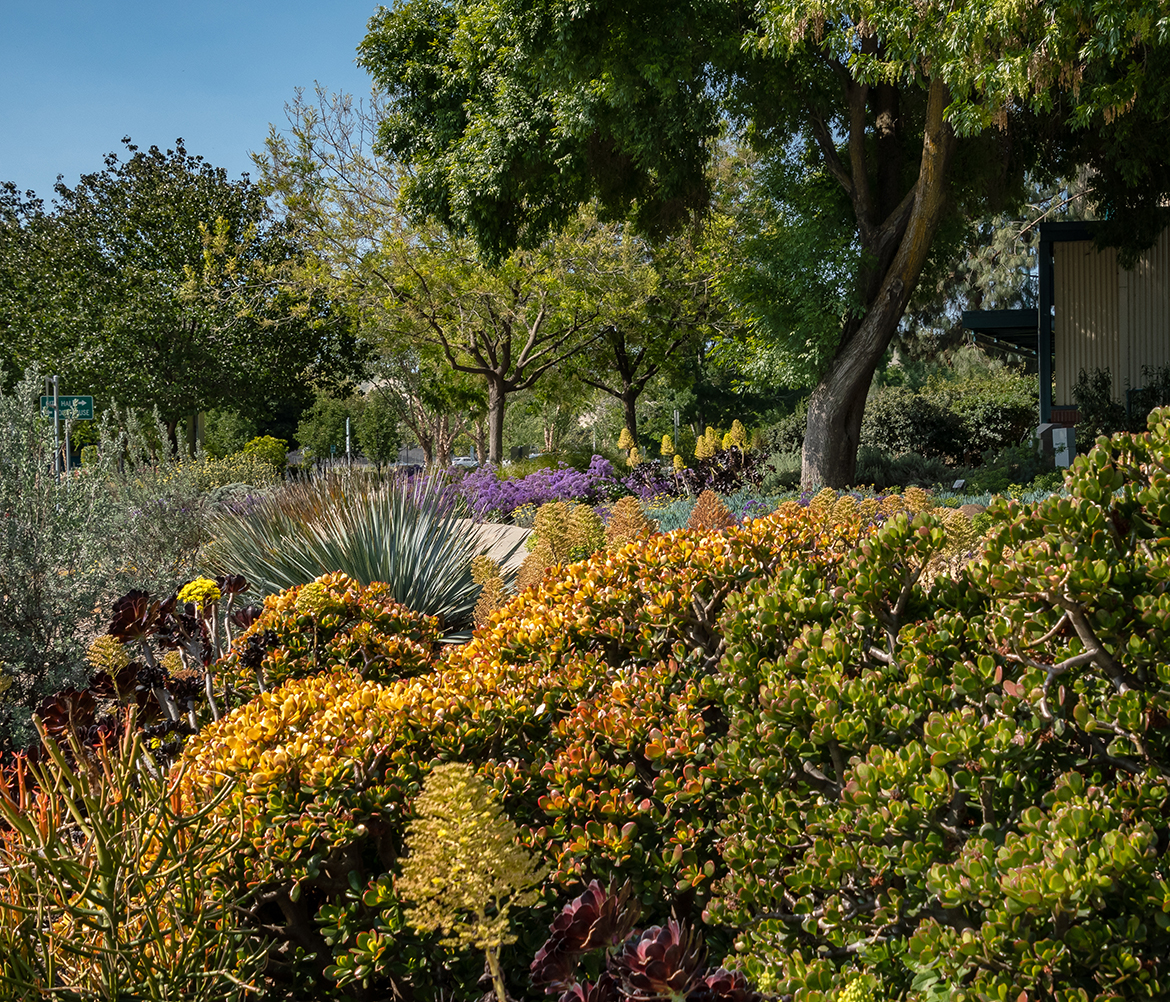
(268, 449)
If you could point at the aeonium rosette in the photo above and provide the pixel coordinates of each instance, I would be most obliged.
(660, 963)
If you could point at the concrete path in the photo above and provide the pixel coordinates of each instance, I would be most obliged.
(499, 539)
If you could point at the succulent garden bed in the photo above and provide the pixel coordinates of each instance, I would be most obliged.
(858, 746)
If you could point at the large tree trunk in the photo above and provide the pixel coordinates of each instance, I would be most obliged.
(629, 401)
(838, 402)
(496, 401)
(481, 449)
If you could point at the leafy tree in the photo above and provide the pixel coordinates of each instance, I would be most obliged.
(422, 288)
(676, 306)
(377, 430)
(434, 403)
(159, 282)
(227, 431)
(557, 403)
(994, 268)
(321, 431)
(513, 322)
(513, 114)
(784, 235)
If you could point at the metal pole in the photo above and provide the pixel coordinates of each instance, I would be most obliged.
(57, 427)
(1044, 332)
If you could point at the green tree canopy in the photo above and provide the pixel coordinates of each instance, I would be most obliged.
(512, 114)
(158, 281)
(377, 430)
(425, 289)
(321, 430)
(434, 403)
(676, 308)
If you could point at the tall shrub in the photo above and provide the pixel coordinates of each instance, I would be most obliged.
(963, 790)
(69, 546)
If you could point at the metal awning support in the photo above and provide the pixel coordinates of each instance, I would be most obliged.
(1044, 331)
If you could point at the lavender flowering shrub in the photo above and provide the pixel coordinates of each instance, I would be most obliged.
(490, 497)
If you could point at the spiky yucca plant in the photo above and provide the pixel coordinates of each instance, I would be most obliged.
(405, 534)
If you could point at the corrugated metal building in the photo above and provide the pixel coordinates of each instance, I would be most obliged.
(1108, 317)
(1093, 314)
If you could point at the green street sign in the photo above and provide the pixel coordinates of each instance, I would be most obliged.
(72, 407)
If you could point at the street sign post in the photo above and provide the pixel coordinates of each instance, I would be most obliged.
(72, 408)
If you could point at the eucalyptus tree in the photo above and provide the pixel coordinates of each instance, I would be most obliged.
(512, 114)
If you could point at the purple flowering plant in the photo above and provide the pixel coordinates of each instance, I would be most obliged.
(492, 498)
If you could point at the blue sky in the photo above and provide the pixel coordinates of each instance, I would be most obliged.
(76, 77)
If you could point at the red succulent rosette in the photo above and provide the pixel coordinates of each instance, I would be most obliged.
(665, 962)
(597, 919)
(604, 990)
(135, 615)
(722, 985)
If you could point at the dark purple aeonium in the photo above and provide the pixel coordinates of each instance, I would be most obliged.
(659, 964)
